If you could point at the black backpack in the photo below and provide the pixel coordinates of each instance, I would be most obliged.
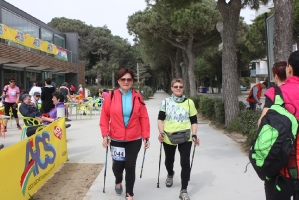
(275, 139)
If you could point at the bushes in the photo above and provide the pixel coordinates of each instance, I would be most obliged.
(93, 90)
(146, 92)
(206, 107)
(196, 100)
(246, 123)
(219, 111)
(213, 109)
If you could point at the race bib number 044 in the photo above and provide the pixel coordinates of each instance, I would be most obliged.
(118, 153)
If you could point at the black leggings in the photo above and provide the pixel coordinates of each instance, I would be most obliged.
(7, 106)
(131, 152)
(184, 149)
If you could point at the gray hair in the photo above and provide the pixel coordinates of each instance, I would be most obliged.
(25, 96)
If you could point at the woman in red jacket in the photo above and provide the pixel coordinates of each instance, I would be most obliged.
(124, 120)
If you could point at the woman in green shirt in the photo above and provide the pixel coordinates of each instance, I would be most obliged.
(178, 117)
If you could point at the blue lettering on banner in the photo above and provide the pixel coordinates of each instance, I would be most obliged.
(40, 141)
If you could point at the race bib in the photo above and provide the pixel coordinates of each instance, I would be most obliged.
(118, 153)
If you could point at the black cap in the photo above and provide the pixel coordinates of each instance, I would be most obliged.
(265, 83)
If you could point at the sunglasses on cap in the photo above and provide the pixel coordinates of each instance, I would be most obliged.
(176, 87)
(126, 79)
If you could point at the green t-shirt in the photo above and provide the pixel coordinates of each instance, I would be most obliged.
(177, 116)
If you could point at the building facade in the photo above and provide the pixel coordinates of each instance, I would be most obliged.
(32, 61)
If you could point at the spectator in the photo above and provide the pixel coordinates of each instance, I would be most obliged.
(22, 92)
(11, 93)
(286, 183)
(279, 72)
(58, 99)
(255, 94)
(28, 109)
(33, 85)
(104, 94)
(100, 92)
(36, 99)
(72, 89)
(36, 88)
(46, 96)
(81, 91)
(65, 91)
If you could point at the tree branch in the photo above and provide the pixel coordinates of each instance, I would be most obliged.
(176, 44)
(201, 43)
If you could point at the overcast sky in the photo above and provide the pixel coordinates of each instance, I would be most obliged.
(113, 13)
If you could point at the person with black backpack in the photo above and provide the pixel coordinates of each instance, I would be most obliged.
(285, 183)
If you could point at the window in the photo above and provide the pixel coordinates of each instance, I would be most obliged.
(47, 35)
(59, 41)
(14, 21)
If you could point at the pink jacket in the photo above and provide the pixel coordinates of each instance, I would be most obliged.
(290, 93)
(112, 122)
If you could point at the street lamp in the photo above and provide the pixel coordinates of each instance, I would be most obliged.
(219, 27)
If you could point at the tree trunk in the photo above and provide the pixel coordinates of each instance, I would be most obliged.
(99, 78)
(172, 69)
(178, 59)
(230, 13)
(190, 69)
(185, 73)
(283, 26)
(113, 80)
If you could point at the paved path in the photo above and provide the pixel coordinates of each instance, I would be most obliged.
(218, 168)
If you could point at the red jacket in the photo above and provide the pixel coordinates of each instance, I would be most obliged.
(112, 122)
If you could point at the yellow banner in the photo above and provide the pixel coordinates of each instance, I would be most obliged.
(27, 165)
(26, 40)
(48, 47)
(4, 32)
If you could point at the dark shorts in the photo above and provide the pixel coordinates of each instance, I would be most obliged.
(7, 107)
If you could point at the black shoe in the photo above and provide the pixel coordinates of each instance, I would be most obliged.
(84, 113)
(67, 125)
(67, 120)
(1, 146)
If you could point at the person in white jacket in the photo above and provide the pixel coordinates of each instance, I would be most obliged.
(36, 88)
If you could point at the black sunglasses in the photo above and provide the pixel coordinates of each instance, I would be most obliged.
(37, 95)
(176, 87)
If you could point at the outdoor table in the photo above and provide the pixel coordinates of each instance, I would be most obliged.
(71, 105)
